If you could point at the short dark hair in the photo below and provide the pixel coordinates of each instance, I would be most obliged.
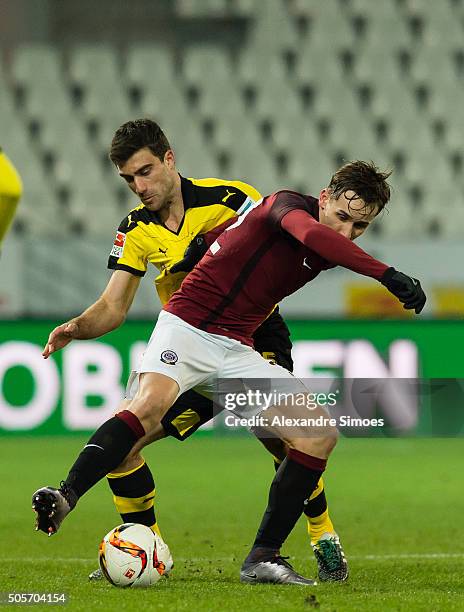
(365, 179)
(135, 135)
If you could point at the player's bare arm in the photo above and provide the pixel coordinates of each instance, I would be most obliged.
(106, 314)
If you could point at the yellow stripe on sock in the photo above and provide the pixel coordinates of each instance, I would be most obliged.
(319, 525)
(319, 488)
(156, 529)
(125, 505)
(122, 474)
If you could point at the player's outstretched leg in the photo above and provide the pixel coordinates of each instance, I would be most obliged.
(105, 450)
(110, 445)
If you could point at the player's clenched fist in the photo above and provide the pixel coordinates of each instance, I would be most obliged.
(408, 290)
(60, 337)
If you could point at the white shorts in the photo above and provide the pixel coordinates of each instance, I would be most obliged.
(197, 359)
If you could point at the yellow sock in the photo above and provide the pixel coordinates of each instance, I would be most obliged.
(319, 525)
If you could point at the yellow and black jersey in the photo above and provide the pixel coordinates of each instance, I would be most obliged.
(10, 192)
(141, 238)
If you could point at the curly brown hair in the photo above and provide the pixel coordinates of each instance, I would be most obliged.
(365, 179)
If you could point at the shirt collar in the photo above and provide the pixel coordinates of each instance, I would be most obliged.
(189, 194)
(313, 206)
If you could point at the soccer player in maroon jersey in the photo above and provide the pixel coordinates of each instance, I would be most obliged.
(204, 333)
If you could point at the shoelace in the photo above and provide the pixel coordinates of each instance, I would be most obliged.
(65, 490)
(282, 561)
(329, 553)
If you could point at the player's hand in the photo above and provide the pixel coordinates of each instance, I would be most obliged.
(408, 290)
(60, 337)
(193, 253)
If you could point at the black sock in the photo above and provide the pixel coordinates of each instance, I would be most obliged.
(105, 450)
(296, 478)
(316, 506)
(313, 507)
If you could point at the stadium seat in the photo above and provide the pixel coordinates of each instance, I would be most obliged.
(397, 220)
(375, 64)
(275, 30)
(437, 19)
(315, 65)
(268, 93)
(38, 214)
(310, 168)
(244, 8)
(157, 58)
(36, 63)
(327, 17)
(293, 133)
(386, 26)
(93, 64)
(95, 209)
(203, 64)
(255, 66)
(433, 59)
(201, 8)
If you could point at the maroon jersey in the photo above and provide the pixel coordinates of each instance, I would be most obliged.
(268, 253)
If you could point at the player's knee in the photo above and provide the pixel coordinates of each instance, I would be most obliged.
(319, 447)
(132, 461)
(275, 446)
(150, 406)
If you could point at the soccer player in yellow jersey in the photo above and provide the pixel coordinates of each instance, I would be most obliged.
(10, 193)
(173, 210)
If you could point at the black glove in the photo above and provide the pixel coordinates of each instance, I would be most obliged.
(193, 253)
(408, 290)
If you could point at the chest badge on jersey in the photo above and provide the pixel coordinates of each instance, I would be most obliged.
(118, 245)
(169, 357)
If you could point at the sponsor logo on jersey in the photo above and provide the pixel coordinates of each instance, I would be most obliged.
(229, 194)
(118, 245)
(169, 357)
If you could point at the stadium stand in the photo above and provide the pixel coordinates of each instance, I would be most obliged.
(280, 107)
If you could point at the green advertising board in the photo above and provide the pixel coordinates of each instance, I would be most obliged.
(79, 387)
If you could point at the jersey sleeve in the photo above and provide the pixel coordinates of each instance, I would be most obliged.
(244, 197)
(281, 203)
(235, 195)
(10, 193)
(330, 245)
(129, 251)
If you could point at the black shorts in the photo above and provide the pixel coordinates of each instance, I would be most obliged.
(191, 410)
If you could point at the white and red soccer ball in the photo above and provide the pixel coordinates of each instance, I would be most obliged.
(131, 555)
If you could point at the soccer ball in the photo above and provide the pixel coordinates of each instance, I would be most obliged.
(132, 555)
